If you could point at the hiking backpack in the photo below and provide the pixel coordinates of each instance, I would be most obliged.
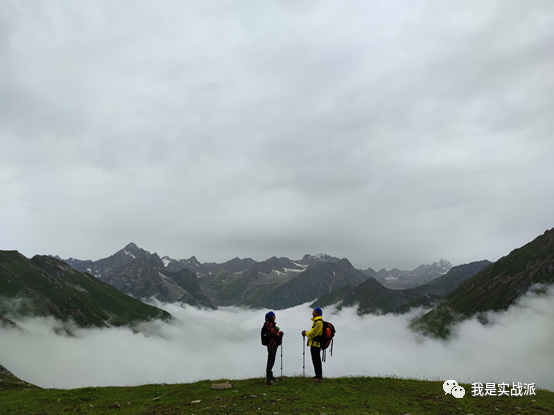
(265, 336)
(326, 338)
(266, 339)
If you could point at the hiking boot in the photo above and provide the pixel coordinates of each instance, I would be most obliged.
(317, 380)
(270, 383)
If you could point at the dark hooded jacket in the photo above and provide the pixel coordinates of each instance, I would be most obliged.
(275, 337)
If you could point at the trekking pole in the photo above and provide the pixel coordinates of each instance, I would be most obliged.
(281, 359)
(303, 357)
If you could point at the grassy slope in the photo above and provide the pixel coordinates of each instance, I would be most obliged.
(56, 289)
(453, 278)
(8, 383)
(496, 287)
(350, 395)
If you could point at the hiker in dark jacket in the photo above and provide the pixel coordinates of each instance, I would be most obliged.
(315, 347)
(275, 339)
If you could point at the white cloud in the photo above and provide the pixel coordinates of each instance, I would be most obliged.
(225, 344)
(359, 129)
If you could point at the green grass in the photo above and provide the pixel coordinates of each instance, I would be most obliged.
(494, 288)
(233, 290)
(291, 395)
(53, 288)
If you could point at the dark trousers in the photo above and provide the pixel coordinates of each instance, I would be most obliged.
(316, 360)
(271, 353)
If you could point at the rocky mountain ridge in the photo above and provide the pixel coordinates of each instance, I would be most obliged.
(454, 292)
(372, 297)
(244, 282)
(398, 279)
(102, 267)
(143, 275)
(146, 276)
(318, 279)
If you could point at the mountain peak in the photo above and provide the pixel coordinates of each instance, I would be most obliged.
(444, 263)
(315, 259)
(345, 263)
(133, 251)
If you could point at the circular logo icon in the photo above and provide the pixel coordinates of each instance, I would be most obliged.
(458, 392)
(448, 385)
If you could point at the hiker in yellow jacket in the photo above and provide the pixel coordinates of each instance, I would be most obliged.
(315, 347)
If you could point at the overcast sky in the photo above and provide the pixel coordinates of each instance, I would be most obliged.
(225, 344)
(392, 133)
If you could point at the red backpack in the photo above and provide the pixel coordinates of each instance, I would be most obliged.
(326, 337)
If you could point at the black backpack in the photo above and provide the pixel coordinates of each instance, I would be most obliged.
(326, 338)
(265, 336)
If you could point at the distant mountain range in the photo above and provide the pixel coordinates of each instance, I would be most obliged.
(274, 283)
(103, 267)
(93, 292)
(397, 279)
(372, 297)
(281, 290)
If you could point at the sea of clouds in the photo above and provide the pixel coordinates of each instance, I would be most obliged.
(225, 344)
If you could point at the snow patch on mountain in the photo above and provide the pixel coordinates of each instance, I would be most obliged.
(128, 253)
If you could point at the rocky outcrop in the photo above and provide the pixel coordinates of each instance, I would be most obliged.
(145, 277)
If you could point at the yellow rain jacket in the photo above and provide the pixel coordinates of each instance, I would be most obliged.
(317, 330)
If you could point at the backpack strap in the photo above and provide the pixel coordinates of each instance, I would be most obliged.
(324, 356)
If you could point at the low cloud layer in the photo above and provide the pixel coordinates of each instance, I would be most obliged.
(224, 344)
